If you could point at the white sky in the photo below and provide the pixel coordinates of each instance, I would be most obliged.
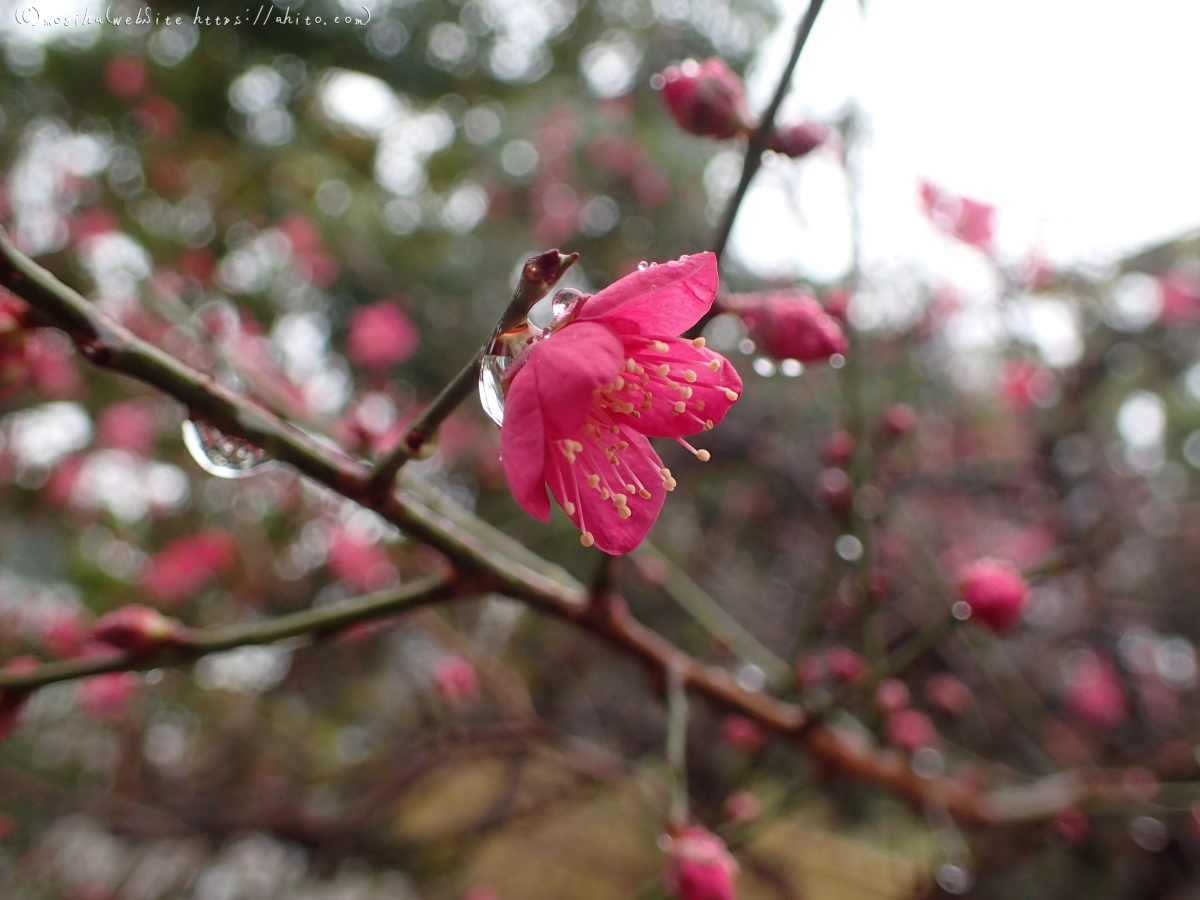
(1076, 118)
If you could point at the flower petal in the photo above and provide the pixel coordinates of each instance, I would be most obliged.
(570, 365)
(658, 300)
(595, 513)
(684, 388)
(523, 445)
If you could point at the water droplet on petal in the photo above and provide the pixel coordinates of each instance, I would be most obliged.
(491, 386)
(223, 455)
(565, 306)
(643, 266)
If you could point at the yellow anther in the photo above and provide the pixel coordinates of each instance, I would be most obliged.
(630, 488)
(586, 539)
(663, 370)
(731, 395)
(604, 493)
(569, 508)
(630, 365)
(679, 406)
(714, 365)
(689, 376)
(664, 472)
(593, 481)
(685, 392)
(698, 343)
(620, 500)
(619, 384)
(624, 512)
(703, 455)
(661, 347)
(644, 494)
(670, 484)
(708, 424)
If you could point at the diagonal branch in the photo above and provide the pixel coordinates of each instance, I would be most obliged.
(501, 564)
(762, 135)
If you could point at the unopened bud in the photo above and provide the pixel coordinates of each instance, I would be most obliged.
(844, 664)
(798, 140)
(995, 592)
(455, 680)
(701, 868)
(742, 733)
(706, 98)
(911, 729)
(899, 419)
(139, 630)
(789, 325)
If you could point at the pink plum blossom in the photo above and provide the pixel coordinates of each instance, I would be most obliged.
(1094, 693)
(968, 220)
(582, 399)
(454, 679)
(701, 867)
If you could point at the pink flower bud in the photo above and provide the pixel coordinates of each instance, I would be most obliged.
(125, 76)
(1094, 692)
(947, 693)
(1073, 824)
(106, 696)
(789, 326)
(912, 729)
(381, 336)
(742, 733)
(839, 447)
(798, 140)
(65, 635)
(844, 664)
(706, 98)
(742, 806)
(139, 630)
(454, 679)
(834, 491)
(810, 670)
(891, 696)
(899, 419)
(995, 592)
(700, 868)
(185, 565)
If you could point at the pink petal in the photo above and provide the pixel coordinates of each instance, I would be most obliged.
(523, 445)
(570, 366)
(658, 300)
(655, 404)
(586, 505)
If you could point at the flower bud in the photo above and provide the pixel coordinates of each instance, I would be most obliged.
(139, 630)
(789, 326)
(844, 664)
(899, 419)
(798, 140)
(455, 680)
(912, 730)
(891, 696)
(706, 98)
(995, 592)
(701, 868)
(834, 491)
(742, 806)
(947, 693)
(839, 448)
(1094, 692)
(742, 733)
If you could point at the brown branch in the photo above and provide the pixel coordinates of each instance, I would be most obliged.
(501, 564)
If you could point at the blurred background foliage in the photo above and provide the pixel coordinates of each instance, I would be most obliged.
(330, 217)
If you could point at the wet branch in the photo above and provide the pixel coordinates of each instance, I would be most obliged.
(484, 560)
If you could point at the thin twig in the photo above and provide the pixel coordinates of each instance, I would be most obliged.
(316, 622)
(762, 134)
(539, 274)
